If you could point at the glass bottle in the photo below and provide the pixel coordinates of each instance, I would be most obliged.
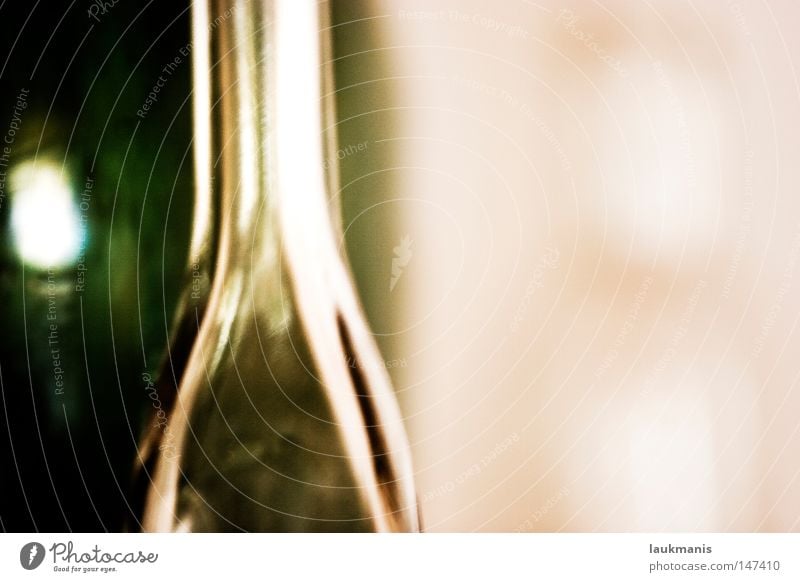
(284, 418)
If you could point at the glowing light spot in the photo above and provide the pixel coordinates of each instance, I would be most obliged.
(44, 217)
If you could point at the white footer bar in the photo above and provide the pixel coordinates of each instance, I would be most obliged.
(550, 557)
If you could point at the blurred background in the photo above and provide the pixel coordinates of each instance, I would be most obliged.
(574, 227)
(95, 210)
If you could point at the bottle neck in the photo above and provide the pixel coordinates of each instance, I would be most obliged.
(275, 99)
(265, 103)
(260, 136)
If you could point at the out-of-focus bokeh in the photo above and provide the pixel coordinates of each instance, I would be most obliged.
(576, 229)
(95, 211)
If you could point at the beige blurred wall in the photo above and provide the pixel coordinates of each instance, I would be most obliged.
(594, 322)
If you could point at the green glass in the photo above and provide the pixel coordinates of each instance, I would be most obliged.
(284, 418)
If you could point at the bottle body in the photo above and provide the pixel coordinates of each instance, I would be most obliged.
(283, 421)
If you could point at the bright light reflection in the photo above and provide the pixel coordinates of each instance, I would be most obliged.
(44, 216)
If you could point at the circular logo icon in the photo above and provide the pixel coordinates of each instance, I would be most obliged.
(31, 555)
